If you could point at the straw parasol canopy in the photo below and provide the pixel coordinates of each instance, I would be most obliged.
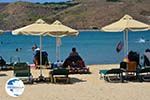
(125, 24)
(59, 30)
(39, 28)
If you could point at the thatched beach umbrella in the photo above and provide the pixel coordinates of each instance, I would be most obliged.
(125, 24)
(39, 28)
(59, 30)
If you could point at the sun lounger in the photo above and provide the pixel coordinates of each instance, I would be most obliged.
(131, 71)
(143, 74)
(6, 67)
(22, 71)
(112, 75)
(115, 74)
(102, 73)
(127, 71)
(59, 74)
(79, 70)
(76, 65)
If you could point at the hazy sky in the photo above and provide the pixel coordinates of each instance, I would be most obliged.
(34, 0)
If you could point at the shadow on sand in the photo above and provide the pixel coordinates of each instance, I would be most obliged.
(72, 80)
(2, 75)
(75, 80)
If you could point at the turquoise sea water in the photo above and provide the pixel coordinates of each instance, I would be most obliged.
(95, 47)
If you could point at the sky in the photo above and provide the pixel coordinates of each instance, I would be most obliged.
(41, 1)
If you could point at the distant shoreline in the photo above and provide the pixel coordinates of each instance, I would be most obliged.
(81, 30)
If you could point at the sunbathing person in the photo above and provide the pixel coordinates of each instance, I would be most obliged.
(36, 59)
(74, 60)
(74, 52)
(133, 56)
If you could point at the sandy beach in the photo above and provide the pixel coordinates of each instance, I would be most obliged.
(82, 87)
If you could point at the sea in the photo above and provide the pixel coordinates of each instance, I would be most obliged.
(94, 47)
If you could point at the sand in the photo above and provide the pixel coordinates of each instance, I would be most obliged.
(82, 87)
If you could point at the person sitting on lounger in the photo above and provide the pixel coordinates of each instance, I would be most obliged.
(133, 56)
(36, 59)
(74, 52)
(147, 57)
(74, 60)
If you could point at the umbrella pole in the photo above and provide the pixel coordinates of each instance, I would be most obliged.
(56, 50)
(40, 55)
(124, 41)
(59, 48)
(127, 40)
(59, 53)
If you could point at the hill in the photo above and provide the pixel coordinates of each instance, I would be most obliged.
(79, 14)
